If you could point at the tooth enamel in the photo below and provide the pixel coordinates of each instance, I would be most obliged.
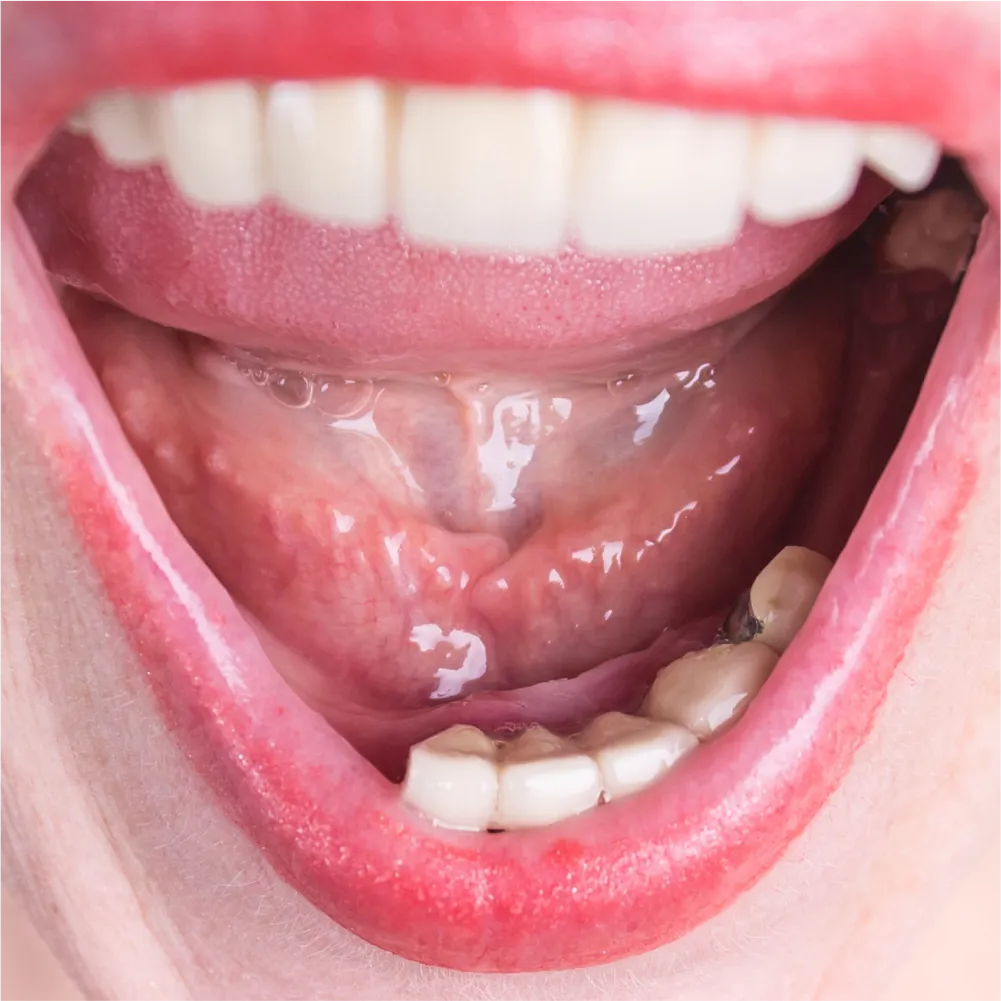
(784, 592)
(544, 779)
(656, 179)
(502, 170)
(452, 778)
(326, 149)
(631, 752)
(212, 140)
(485, 168)
(802, 169)
(711, 688)
(123, 127)
(905, 157)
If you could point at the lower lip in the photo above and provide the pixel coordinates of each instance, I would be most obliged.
(620, 881)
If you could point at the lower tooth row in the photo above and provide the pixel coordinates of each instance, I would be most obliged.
(465, 780)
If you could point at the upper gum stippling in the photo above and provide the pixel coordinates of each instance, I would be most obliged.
(501, 170)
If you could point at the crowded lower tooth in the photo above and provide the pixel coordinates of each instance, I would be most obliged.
(544, 779)
(708, 689)
(784, 592)
(452, 778)
(463, 779)
(632, 752)
(501, 170)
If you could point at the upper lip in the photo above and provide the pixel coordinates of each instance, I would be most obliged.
(827, 59)
(583, 892)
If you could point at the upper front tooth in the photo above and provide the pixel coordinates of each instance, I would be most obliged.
(802, 168)
(326, 149)
(122, 123)
(708, 689)
(784, 592)
(650, 175)
(211, 135)
(502, 170)
(485, 168)
(632, 752)
(452, 778)
(543, 779)
(905, 157)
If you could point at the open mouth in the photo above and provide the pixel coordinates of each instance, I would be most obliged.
(517, 471)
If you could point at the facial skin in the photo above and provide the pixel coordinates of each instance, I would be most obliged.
(145, 889)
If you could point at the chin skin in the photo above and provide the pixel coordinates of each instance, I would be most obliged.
(145, 889)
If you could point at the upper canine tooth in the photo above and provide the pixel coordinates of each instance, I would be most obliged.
(659, 179)
(708, 689)
(212, 139)
(784, 592)
(327, 149)
(485, 168)
(122, 123)
(802, 168)
(904, 156)
(632, 752)
(452, 778)
(544, 779)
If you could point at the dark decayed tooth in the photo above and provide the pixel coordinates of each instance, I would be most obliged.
(740, 625)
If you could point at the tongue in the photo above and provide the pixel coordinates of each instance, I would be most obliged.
(441, 536)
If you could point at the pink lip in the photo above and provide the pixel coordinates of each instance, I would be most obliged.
(632, 875)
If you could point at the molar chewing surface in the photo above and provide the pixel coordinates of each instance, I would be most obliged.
(463, 779)
(501, 170)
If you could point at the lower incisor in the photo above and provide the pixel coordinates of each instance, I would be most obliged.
(452, 778)
(544, 779)
(632, 752)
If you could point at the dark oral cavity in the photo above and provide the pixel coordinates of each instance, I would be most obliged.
(543, 899)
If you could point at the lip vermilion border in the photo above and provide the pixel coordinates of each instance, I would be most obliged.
(831, 59)
(618, 881)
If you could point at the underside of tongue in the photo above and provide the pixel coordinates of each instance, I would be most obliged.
(420, 539)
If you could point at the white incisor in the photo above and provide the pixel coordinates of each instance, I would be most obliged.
(516, 171)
